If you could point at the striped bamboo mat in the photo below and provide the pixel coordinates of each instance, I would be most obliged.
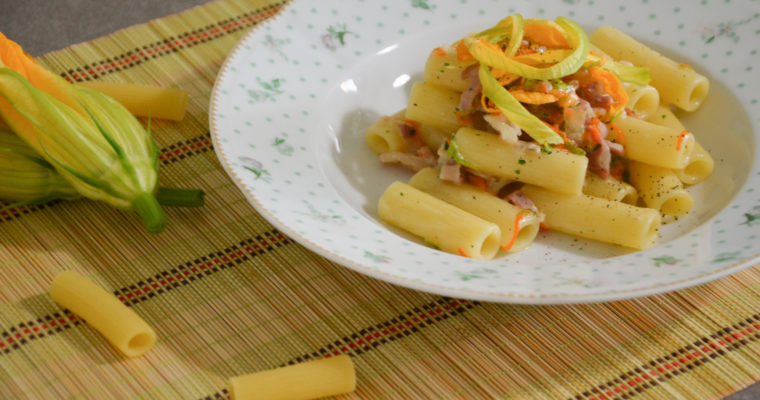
(228, 294)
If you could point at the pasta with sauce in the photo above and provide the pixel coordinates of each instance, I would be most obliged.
(531, 121)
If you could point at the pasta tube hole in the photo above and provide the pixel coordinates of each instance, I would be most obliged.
(491, 244)
(696, 168)
(630, 197)
(378, 143)
(652, 233)
(676, 206)
(698, 94)
(647, 102)
(526, 235)
(141, 342)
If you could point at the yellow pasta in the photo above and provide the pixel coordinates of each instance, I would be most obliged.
(560, 171)
(441, 224)
(579, 123)
(432, 136)
(700, 165)
(384, 136)
(484, 205)
(143, 100)
(596, 218)
(678, 84)
(442, 69)
(119, 324)
(661, 190)
(655, 144)
(610, 189)
(308, 380)
(642, 99)
(434, 106)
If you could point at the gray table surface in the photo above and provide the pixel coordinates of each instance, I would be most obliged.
(41, 26)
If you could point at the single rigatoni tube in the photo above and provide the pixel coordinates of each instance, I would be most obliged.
(384, 136)
(443, 225)
(144, 100)
(560, 171)
(661, 189)
(700, 165)
(307, 380)
(656, 144)
(678, 84)
(433, 137)
(596, 218)
(484, 205)
(610, 189)
(119, 324)
(642, 99)
(663, 116)
(433, 105)
(442, 69)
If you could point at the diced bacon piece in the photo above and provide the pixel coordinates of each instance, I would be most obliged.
(616, 148)
(409, 161)
(451, 172)
(519, 199)
(599, 160)
(594, 93)
(427, 154)
(411, 134)
(575, 123)
(507, 130)
(470, 74)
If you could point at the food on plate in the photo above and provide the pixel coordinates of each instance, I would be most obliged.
(530, 123)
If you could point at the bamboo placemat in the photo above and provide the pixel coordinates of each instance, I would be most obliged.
(228, 294)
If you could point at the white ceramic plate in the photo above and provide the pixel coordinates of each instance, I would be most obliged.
(292, 101)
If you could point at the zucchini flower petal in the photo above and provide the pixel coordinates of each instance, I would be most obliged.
(90, 139)
(25, 177)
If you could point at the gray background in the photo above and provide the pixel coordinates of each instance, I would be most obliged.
(41, 26)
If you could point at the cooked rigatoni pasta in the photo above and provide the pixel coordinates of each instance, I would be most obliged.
(394, 134)
(443, 69)
(656, 144)
(439, 223)
(432, 136)
(678, 84)
(518, 226)
(384, 136)
(644, 100)
(596, 218)
(559, 171)
(433, 105)
(529, 119)
(700, 165)
(330, 376)
(119, 324)
(610, 189)
(661, 190)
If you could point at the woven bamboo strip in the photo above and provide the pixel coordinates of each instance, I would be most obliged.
(283, 304)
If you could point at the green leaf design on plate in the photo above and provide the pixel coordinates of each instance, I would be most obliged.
(666, 260)
(269, 90)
